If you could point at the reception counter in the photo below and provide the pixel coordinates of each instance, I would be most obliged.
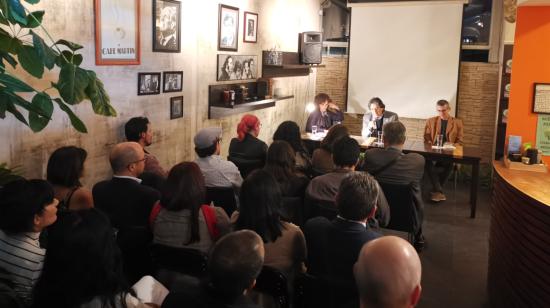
(519, 239)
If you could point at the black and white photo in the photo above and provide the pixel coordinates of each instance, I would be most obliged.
(176, 107)
(237, 67)
(166, 21)
(228, 28)
(172, 81)
(250, 33)
(148, 83)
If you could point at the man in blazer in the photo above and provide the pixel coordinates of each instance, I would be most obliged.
(452, 131)
(374, 121)
(128, 205)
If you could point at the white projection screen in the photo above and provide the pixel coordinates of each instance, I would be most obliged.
(406, 53)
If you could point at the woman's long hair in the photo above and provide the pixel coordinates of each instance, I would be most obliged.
(280, 161)
(248, 123)
(290, 132)
(334, 133)
(65, 166)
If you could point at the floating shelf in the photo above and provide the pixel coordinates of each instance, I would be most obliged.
(291, 66)
(223, 110)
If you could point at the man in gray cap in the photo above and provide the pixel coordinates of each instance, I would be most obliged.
(217, 172)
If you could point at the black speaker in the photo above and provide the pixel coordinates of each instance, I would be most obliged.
(311, 45)
(261, 89)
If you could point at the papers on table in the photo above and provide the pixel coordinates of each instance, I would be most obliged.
(149, 290)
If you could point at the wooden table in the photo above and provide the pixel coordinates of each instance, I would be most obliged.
(461, 155)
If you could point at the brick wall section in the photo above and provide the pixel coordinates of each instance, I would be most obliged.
(477, 99)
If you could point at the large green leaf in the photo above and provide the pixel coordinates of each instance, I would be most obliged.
(43, 101)
(14, 84)
(32, 1)
(71, 84)
(3, 104)
(98, 96)
(47, 54)
(31, 61)
(75, 121)
(34, 19)
(72, 46)
(4, 12)
(19, 101)
(16, 12)
(8, 43)
(6, 56)
(10, 107)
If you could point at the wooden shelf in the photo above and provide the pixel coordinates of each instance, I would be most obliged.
(222, 110)
(291, 66)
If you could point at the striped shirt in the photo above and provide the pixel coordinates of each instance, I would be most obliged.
(22, 257)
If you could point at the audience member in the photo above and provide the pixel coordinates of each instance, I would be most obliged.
(26, 208)
(322, 157)
(290, 132)
(388, 273)
(234, 264)
(139, 130)
(128, 204)
(451, 130)
(374, 121)
(281, 164)
(217, 172)
(83, 266)
(325, 188)
(183, 220)
(390, 165)
(325, 115)
(247, 147)
(65, 168)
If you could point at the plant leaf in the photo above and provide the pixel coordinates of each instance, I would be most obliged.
(71, 84)
(10, 107)
(3, 103)
(14, 84)
(4, 9)
(75, 121)
(32, 1)
(37, 122)
(8, 43)
(64, 58)
(36, 21)
(72, 46)
(77, 59)
(16, 12)
(18, 100)
(47, 54)
(6, 56)
(31, 61)
(101, 103)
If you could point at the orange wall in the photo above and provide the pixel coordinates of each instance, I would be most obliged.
(530, 64)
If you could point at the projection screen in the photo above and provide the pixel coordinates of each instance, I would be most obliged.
(406, 53)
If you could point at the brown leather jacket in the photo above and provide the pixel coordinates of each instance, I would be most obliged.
(454, 131)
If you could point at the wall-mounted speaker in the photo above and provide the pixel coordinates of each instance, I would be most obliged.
(311, 45)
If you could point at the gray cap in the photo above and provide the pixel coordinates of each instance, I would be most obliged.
(207, 136)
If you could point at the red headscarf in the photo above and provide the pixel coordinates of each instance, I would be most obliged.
(248, 122)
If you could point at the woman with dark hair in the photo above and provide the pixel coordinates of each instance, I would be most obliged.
(246, 146)
(290, 132)
(228, 69)
(281, 164)
(325, 115)
(26, 208)
(322, 157)
(183, 219)
(83, 266)
(65, 168)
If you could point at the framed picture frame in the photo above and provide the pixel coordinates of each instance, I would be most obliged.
(176, 107)
(117, 32)
(166, 26)
(172, 81)
(250, 29)
(148, 83)
(228, 28)
(236, 67)
(541, 98)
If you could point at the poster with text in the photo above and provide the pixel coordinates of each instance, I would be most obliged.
(543, 134)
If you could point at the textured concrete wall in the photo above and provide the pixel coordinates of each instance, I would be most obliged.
(172, 141)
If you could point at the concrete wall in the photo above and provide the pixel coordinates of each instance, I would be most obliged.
(172, 141)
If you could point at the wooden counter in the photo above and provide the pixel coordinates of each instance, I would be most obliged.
(519, 239)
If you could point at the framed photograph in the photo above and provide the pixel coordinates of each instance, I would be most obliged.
(176, 107)
(541, 98)
(237, 67)
(166, 30)
(148, 83)
(117, 32)
(250, 32)
(173, 81)
(228, 28)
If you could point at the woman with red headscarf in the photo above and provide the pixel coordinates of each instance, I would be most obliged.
(247, 148)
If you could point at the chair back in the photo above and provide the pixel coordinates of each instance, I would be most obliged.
(293, 210)
(246, 166)
(315, 208)
(273, 282)
(182, 260)
(402, 210)
(223, 197)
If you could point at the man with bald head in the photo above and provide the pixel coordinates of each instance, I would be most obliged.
(388, 273)
(128, 205)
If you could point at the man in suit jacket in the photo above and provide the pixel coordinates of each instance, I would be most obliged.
(333, 246)
(374, 121)
(128, 205)
(390, 165)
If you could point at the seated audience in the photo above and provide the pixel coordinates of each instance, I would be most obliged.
(290, 132)
(128, 204)
(325, 115)
(183, 221)
(325, 188)
(451, 130)
(65, 168)
(26, 208)
(139, 130)
(247, 146)
(235, 262)
(217, 172)
(333, 246)
(374, 121)
(388, 273)
(390, 165)
(83, 266)
(281, 165)
(322, 157)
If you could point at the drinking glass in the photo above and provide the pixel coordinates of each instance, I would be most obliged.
(439, 141)
(314, 129)
(379, 140)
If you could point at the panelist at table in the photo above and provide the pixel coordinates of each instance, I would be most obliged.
(374, 121)
(325, 115)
